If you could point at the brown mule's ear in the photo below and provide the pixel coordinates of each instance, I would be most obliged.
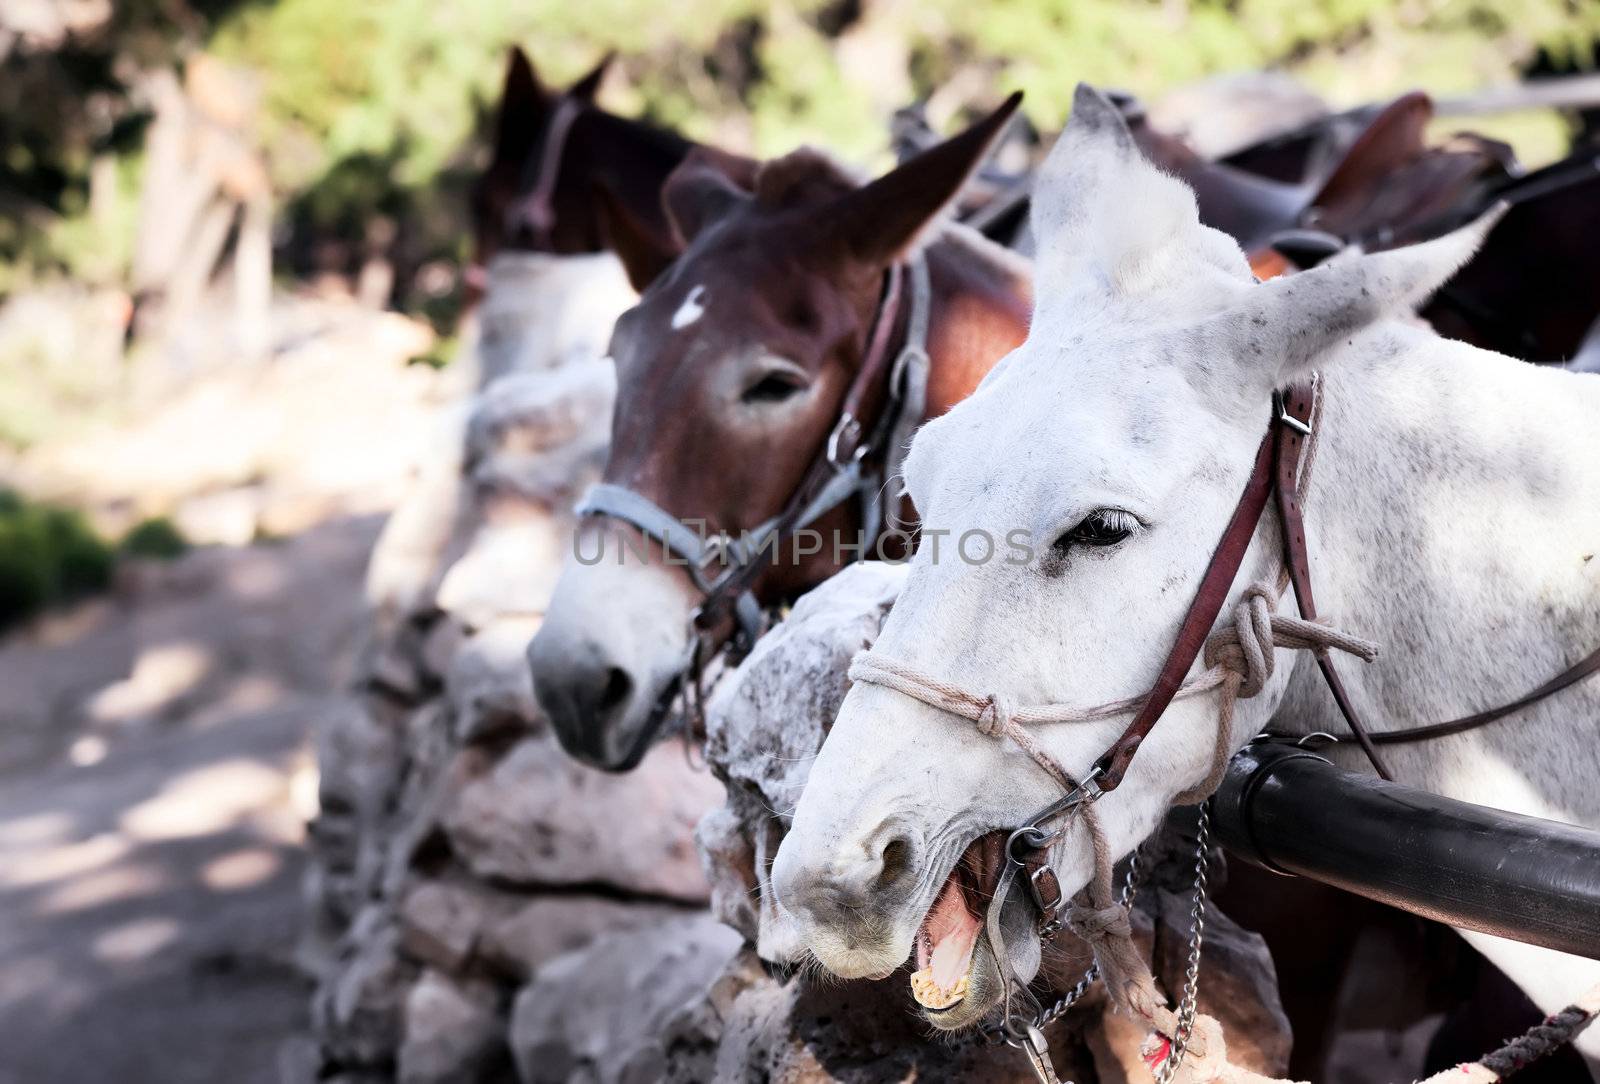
(737, 168)
(699, 192)
(585, 89)
(522, 102)
(878, 222)
(643, 253)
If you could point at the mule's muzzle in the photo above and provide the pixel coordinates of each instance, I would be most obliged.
(603, 715)
(843, 901)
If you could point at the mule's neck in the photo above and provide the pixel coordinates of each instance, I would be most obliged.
(981, 304)
(1453, 515)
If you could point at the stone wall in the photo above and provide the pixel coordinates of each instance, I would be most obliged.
(457, 849)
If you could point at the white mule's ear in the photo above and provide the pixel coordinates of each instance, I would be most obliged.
(1291, 322)
(1108, 220)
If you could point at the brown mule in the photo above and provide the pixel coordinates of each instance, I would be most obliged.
(551, 148)
(735, 372)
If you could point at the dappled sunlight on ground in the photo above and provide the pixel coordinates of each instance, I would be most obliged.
(155, 781)
(240, 870)
(160, 675)
(136, 940)
(123, 881)
(205, 801)
(48, 865)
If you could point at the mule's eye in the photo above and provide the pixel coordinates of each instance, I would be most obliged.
(1102, 527)
(773, 388)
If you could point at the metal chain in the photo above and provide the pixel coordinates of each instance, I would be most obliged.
(1130, 885)
(1188, 1005)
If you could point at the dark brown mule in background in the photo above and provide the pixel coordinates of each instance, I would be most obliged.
(551, 150)
(732, 373)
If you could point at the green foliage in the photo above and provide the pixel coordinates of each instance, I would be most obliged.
(48, 555)
(408, 83)
(157, 537)
(60, 362)
(379, 107)
(1350, 50)
(441, 353)
(94, 243)
(62, 106)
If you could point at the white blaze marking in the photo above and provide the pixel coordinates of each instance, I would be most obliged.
(691, 309)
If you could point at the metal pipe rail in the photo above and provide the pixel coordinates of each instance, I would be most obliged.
(1292, 811)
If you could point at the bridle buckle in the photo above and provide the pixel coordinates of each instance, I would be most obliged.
(902, 364)
(1285, 418)
(715, 548)
(847, 428)
(1033, 837)
(1046, 889)
(1092, 791)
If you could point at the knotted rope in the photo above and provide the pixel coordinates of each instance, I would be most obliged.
(1239, 658)
(1545, 1037)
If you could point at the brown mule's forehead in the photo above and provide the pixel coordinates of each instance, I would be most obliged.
(766, 275)
(759, 281)
(750, 286)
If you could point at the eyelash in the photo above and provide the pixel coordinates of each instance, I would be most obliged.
(1100, 529)
(1114, 520)
(772, 388)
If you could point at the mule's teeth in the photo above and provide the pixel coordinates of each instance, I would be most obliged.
(930, 995)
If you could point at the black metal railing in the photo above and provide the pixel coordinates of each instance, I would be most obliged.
(1292, 811)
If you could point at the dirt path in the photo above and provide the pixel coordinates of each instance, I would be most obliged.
(154, 778)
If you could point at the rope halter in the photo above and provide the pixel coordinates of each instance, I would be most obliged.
(1239, 660)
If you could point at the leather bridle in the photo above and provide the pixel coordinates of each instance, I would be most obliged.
(1280, 469)
(1277, 466)
(536, 210)
(1279, 462)
(853, 464)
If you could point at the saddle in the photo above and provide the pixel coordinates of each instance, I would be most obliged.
(1529, 291)
(1385, 175)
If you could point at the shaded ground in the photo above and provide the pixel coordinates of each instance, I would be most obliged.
(154, 779)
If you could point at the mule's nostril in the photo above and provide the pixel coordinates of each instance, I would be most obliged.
(618, 686)
(896, 858)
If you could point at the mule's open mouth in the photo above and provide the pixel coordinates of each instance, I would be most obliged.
(949, 932)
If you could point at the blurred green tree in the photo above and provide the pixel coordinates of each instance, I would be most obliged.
(377, 107)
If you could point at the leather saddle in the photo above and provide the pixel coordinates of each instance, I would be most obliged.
(1386, 175)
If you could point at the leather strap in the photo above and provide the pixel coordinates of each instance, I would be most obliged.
(908, 384)
(1588, 666)
(537, 209)
(1297, 403)
(1215, 586)
(845, 439)
(843, 451)
(1294, 426)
